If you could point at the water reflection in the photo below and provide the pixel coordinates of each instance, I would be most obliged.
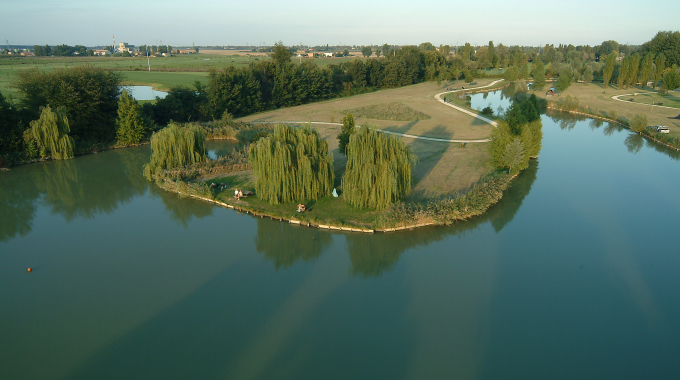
(634, 143)
(372, 255)
(283, 244)
(17, 207)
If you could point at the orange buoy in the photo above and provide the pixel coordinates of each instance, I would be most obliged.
(30, 269)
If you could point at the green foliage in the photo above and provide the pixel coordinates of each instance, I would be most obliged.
(608, 69)
(666, 43)
(175, 146)
(659, 67)
(10, 130)
(525, 71)
(182, 105)
(281, 54)
(87, 95)
(646, 69)
(564, 80)
(511, 74)
(539, 75)
(588, 75)
(233, 90)
(348, 129)
(671, 78)
(50, 133)
(638, 123)
(366, 51)
(293, 164)
(389, 111)
(131, 127)
(514, 156)
(378, 170)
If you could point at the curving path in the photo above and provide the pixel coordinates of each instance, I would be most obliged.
(461, 109)
(616, 97)
(438, 97)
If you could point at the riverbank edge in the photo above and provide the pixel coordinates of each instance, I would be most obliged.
(591, 116)
(466, 213)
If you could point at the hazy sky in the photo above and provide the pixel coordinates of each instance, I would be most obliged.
(354, 22)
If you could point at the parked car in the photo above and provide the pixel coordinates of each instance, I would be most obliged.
(661, 129)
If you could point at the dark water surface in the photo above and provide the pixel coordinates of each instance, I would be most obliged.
(573, 275)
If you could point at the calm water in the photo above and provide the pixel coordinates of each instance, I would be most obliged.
(573, 275)
(145, 92)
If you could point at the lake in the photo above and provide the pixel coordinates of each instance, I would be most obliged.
(144, 92)
(573, 275)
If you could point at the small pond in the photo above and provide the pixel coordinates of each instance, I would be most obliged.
(145, 92)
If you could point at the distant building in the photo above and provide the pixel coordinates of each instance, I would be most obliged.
(124, 47)
(101, 52)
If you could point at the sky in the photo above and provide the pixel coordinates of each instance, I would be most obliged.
(349, 22)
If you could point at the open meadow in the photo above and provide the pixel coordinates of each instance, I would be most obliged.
(165, 72)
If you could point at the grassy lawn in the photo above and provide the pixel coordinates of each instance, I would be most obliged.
(672, 99)
(162, 80)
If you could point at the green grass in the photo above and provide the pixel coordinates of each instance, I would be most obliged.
(670, 100)
(163, 81)
(388, 111)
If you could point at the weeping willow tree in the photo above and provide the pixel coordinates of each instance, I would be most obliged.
(293, 164)
(50, 133)
(378, 169)
(175, 146)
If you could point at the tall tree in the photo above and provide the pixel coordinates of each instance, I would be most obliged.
(10, 129)
(659, 67)
(514, 155)
(539, 75)
(378, 170)
(608, 69)
(281, 55)
(293, 164)
(348, 129)
(525, 71)
(634, 69)
(511, 73)
(131, 127)
(646, 69)
(366, 51)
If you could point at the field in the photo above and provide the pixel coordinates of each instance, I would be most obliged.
(165, 71)
(443, 168)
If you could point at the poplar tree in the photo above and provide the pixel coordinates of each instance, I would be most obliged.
(608, 69)
(646, 69)
(378, 170)
(50, 133)
(175, 146)
(293, 164)
(660, 63)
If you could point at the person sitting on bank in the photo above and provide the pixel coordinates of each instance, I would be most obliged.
(236, 192)
(300, 208)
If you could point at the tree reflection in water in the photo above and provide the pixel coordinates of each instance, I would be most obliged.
(284, 244)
